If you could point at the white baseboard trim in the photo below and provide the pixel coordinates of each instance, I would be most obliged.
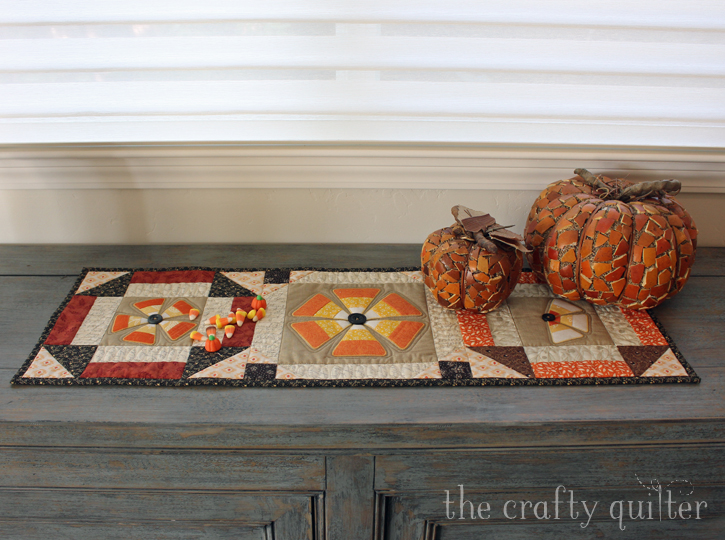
(396, 166)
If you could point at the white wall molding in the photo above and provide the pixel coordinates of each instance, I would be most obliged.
(199, 166)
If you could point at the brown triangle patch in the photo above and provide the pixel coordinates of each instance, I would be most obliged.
(640, 358)
(512, 357)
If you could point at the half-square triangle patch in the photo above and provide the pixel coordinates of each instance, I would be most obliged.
(105, 283)
(201, 362)
(45, 366)
(512, 357)
(641, 358)
(229, 368)
(666, 365)
(483, 366)
(74, 358)
(237, 284)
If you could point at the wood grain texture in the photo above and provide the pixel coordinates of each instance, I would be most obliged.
(123, 469)
(421, 513)
(342, 439)
(350, 499)
(709, 261)
(57, 259)
(157, 514)
(299, 463)
(68, 260)
(366, 406)
(599, 530)
(130, 530)
(601, 467)
(28, 303)
(695, 319)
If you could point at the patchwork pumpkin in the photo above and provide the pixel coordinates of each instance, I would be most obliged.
(609, 241)
(473, 264)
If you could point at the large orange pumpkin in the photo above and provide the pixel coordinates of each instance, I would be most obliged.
(472, 265)
(609, 241)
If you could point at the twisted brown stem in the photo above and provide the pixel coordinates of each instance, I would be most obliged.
(644, 189)
(592, 180)
(635, 192)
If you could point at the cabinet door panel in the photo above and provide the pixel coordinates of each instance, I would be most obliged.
(424, 515)
(412, 491)
(159, 469)
(130, 514)
(130, 531)
(502, 469)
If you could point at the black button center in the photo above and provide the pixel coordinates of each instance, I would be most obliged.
(548, 317)
(357, 318)
(155, 318)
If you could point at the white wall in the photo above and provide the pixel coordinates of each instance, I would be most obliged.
(292, 193)
(271, 215)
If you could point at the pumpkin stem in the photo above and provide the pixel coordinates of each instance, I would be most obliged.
(645, 189)
(642, 190)
(592, 180)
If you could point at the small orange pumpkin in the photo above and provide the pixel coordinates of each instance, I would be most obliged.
(474, 264)
(609, 241)
(212, 343)
(259, 302)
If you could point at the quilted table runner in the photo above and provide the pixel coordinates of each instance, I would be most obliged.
(379, 327)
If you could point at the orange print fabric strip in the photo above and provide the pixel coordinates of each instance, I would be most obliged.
(644, 327)
(475, 329)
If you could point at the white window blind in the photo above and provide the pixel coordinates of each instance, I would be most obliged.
(646, 73)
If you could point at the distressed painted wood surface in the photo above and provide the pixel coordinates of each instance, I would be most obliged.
(502, 469)
(58, 259)
(371, 406)
(419, 515)
(133, 530)
(413, 490)
(695, 319)
(336, 463)
(152, 469)
(175, 514)
(350, 499)
(55, 259)
(336, 439)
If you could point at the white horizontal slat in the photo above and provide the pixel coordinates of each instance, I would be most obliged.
(351, 97)
(644, 13)
(361, 52)
(565, 71)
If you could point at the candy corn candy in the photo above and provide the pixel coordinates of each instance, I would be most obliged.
(251, 314)
(212, 320)
(221, 322)
(229, 330)
(213, 344)
(211, 330)
(193, 314)
(197, 336)
(261, 312)
(240, 316)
